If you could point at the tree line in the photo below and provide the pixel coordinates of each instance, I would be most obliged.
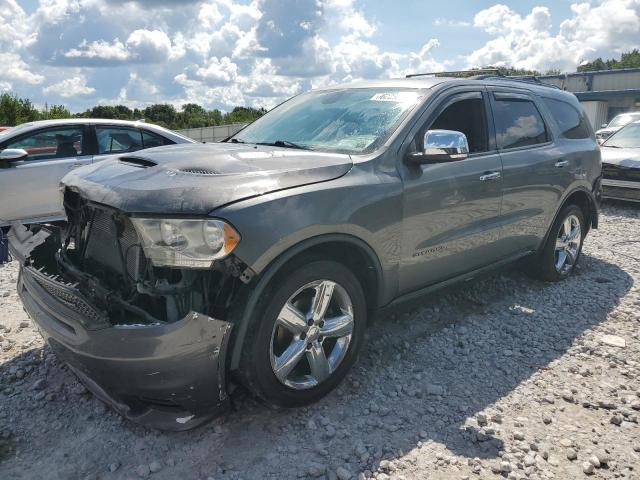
(15, 110)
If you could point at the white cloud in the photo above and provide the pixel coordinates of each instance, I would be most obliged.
(14, 68)
(447, 22)
(70, 87)
(218, 72)
(142, 46)
(613, 26)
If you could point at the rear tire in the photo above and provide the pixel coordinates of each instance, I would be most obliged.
(561, 252)
(308, 329)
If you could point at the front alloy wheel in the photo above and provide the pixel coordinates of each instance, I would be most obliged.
(309, 327)
(312, 334)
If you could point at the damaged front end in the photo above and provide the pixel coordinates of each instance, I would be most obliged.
(145, 339)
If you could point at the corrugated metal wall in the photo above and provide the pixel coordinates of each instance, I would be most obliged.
(601, 81)
(596, 112)
(212, 134)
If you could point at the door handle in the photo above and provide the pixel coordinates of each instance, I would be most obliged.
(561, 163)
(490, 176)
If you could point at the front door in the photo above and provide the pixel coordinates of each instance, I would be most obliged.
(30, 188)
(452, 209)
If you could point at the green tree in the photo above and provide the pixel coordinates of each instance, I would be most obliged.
(243, 115)
(161, 113)
(57, 111)
(627, 60)
(15, 110)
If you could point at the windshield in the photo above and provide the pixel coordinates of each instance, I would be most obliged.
(622, 120)
(627, 137)
(353, 121)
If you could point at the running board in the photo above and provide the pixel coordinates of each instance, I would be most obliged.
(466, 277)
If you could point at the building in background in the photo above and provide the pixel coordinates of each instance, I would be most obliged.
(603, 94)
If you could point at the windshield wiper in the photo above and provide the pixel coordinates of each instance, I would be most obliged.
(284, 144)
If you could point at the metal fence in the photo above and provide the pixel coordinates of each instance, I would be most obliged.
(212, 134)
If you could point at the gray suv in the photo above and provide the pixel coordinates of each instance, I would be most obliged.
(259, 261)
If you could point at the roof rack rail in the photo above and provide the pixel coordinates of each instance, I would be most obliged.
(520, 78)
(479, 71)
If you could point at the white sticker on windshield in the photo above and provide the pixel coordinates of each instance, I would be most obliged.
(397, 97)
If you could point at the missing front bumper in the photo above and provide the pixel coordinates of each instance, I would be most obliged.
(169, 376)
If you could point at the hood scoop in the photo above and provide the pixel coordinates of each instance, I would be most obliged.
(199, 171)
(139, 162)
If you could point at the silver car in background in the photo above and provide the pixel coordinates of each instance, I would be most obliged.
(616, 124)
(35, 156)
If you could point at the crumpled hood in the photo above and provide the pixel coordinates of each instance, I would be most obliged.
(198, 178)
(623, 157)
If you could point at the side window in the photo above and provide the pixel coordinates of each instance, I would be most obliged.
(118, 139)
(60, 142)
(573, 123)
(466, 116)
(518, 123)
(150, 140)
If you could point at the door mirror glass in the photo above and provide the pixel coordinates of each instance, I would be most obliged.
(442, 146)
(13, 154)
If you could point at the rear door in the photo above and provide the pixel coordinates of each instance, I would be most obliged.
(534, 170)
(452, 209)
(30, 187)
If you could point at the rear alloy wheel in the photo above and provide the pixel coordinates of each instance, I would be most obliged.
(568, 244)
(562, 250)
(308, 335)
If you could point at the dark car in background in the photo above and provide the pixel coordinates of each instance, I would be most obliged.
(35, 156)
(621, 164)
(261, 260)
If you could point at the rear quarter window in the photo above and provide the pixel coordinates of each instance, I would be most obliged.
(573, 123)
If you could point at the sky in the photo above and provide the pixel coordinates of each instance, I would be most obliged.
(226, 53)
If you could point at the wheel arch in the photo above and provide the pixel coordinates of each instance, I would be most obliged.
(348, 250)
(584, 199)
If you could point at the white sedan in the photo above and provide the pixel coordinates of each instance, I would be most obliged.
(35, 156)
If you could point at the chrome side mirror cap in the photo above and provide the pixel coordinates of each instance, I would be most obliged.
(441, 146)
(13, 154)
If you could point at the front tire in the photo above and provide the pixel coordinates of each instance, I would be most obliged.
(308, 330)
(560, 254)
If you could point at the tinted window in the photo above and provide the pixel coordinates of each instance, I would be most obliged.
(150, 140)
(118, 139)
(60, 142)
(518, 123)
(572, 123)
(466, 116)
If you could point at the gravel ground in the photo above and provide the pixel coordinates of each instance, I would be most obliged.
(506, 377)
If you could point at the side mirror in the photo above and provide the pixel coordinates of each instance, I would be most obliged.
(604, 125)
(13, 154)
(441, 146)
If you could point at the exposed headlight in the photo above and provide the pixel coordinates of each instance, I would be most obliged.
(186, 243)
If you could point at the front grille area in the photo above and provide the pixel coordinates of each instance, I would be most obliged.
(618, 172)
(69, 296)
(112, 242)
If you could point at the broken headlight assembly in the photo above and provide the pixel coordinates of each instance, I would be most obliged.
(185, 243)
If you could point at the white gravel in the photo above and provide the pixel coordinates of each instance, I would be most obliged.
(505, 378)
